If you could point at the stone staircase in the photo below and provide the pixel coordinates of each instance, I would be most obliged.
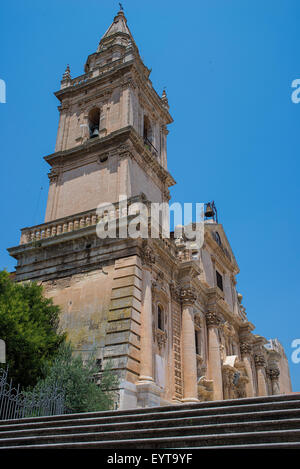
(259, 422)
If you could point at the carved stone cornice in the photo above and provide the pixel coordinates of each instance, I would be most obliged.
(212, 319)
(259, 360)
(273, 373)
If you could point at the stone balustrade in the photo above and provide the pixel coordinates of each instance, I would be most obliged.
(79, 221)
(60, 226)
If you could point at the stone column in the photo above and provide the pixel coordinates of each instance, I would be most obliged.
(148, 393)
(273, 373)
(146, 355)
(146, 369)
(260, 364)
(246, 349)
(189, 361)
(214, 366)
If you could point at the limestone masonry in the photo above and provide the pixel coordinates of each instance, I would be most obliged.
(169, 318)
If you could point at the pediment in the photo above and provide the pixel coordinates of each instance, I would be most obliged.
(220, 239)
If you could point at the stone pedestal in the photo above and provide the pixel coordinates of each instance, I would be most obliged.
(148, 394)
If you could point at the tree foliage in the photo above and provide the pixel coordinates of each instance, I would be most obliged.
(29, 325)
(77, 380)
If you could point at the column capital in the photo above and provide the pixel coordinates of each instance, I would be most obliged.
(273, 373)
(187, 296)
(245, 348)
(212, 319)
(259, 360)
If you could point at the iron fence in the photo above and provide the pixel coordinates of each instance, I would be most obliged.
(15, 404)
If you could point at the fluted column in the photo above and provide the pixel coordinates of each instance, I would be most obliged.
(260, 364)
(189, 361)
(214, 366)
(246, 349)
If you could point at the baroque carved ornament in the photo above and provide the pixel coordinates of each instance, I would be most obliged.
(147, 255)
(259, 360)
(273, 373)
(245, 348)
(212, 319)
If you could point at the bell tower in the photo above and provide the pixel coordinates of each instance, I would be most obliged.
(112, 133)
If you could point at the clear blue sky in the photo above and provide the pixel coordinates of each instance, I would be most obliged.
(228, 67)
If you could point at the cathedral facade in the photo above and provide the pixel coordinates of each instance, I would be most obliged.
(168, 318)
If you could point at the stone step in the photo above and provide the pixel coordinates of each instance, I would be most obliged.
(243, 423)
(55, 436)
(220, 423)
(195, 441)
(284, 398)
(155, 414)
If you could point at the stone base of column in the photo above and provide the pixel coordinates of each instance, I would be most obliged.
(186, 400)
(148, 394)
(128, 398)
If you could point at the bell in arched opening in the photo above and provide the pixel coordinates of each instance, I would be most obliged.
(94, 122)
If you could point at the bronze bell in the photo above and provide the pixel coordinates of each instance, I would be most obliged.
(95, 132)
(209, 212)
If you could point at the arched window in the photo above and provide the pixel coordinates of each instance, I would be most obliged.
(218, 238)
(160, 318)
(94, 122)
(147, 130)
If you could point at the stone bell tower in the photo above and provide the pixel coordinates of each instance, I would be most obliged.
(111, 142)
(112, 133)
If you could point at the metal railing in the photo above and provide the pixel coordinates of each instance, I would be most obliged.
(15, 404)
(149, 145)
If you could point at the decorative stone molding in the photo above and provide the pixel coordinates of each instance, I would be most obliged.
(175, 291)
(228, 329)
(161, 338)
(205, 389)
(197, 321)
(212, 319)
(147, 255)
(259, 360)
(53, 176)
(245, 348)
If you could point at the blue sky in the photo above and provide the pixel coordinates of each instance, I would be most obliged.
(228, 66)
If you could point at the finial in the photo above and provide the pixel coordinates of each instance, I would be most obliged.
(67, 74)
(164, 98)
(121, 7)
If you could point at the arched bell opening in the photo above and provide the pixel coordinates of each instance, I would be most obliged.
(94, 122)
